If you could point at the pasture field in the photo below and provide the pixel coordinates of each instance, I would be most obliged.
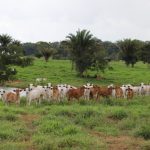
(59, 71)
(109, 124)
(105, 125)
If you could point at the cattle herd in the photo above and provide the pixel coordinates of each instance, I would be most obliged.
(61, 92)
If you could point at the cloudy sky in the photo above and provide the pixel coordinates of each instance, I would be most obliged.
(53, 20)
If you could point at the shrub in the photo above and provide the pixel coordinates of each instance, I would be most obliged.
(70, 130)
(26, 61)
(11, 117)
(118, 115)
(144, 132)
(145, 145)
(127, 124)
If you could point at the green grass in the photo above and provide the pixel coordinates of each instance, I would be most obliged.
(87, 125)
(77, 125)
(59, 71)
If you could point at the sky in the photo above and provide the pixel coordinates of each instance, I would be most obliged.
(53, 20)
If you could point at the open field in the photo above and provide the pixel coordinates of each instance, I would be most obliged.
(59, 71)
(109, 124)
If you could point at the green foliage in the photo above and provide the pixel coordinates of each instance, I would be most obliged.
(112, 50)
(86, 52)
(59, 71)
(129, 50)
(75, 126)
(145, 53)
(10, 54)
(118, 114)
(144, 131)
(26, 61)
(45, 49)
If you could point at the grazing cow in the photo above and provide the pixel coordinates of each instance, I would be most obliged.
(12, 97)
(129, 93)
(75, 93)
(38, 79)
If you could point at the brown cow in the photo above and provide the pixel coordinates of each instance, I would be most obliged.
(55, 95)
(75, 93)
(11, 97)
(118, 92)
(129, 93)
(94, 92)
(104, 92)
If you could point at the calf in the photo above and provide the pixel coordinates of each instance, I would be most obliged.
(12, 97)
(129, 93)
(56, 95)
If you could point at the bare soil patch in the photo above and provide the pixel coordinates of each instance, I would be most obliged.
(121, 142)
(28, 119)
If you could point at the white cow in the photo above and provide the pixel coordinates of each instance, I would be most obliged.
(49, 93)
(87, 91)
(124, 87)
(36, 95)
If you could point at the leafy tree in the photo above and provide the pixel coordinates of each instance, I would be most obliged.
(129, 49)
(62, 52)
(45, 49)
(30, 49)
(145, 53)
(10, 53)
(100, 62)
(84, 50)
(112, 50)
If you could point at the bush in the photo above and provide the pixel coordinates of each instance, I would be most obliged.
(26, 61)
(144, 132)
(11, 117)
(145, 145)
(71, 130)
(127, 124)
(118, 115)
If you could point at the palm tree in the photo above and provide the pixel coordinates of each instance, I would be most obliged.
(129, 49)
(45, 49)
(5, 40)
(81, 52)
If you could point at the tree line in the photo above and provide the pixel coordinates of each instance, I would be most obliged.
(86, 52)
